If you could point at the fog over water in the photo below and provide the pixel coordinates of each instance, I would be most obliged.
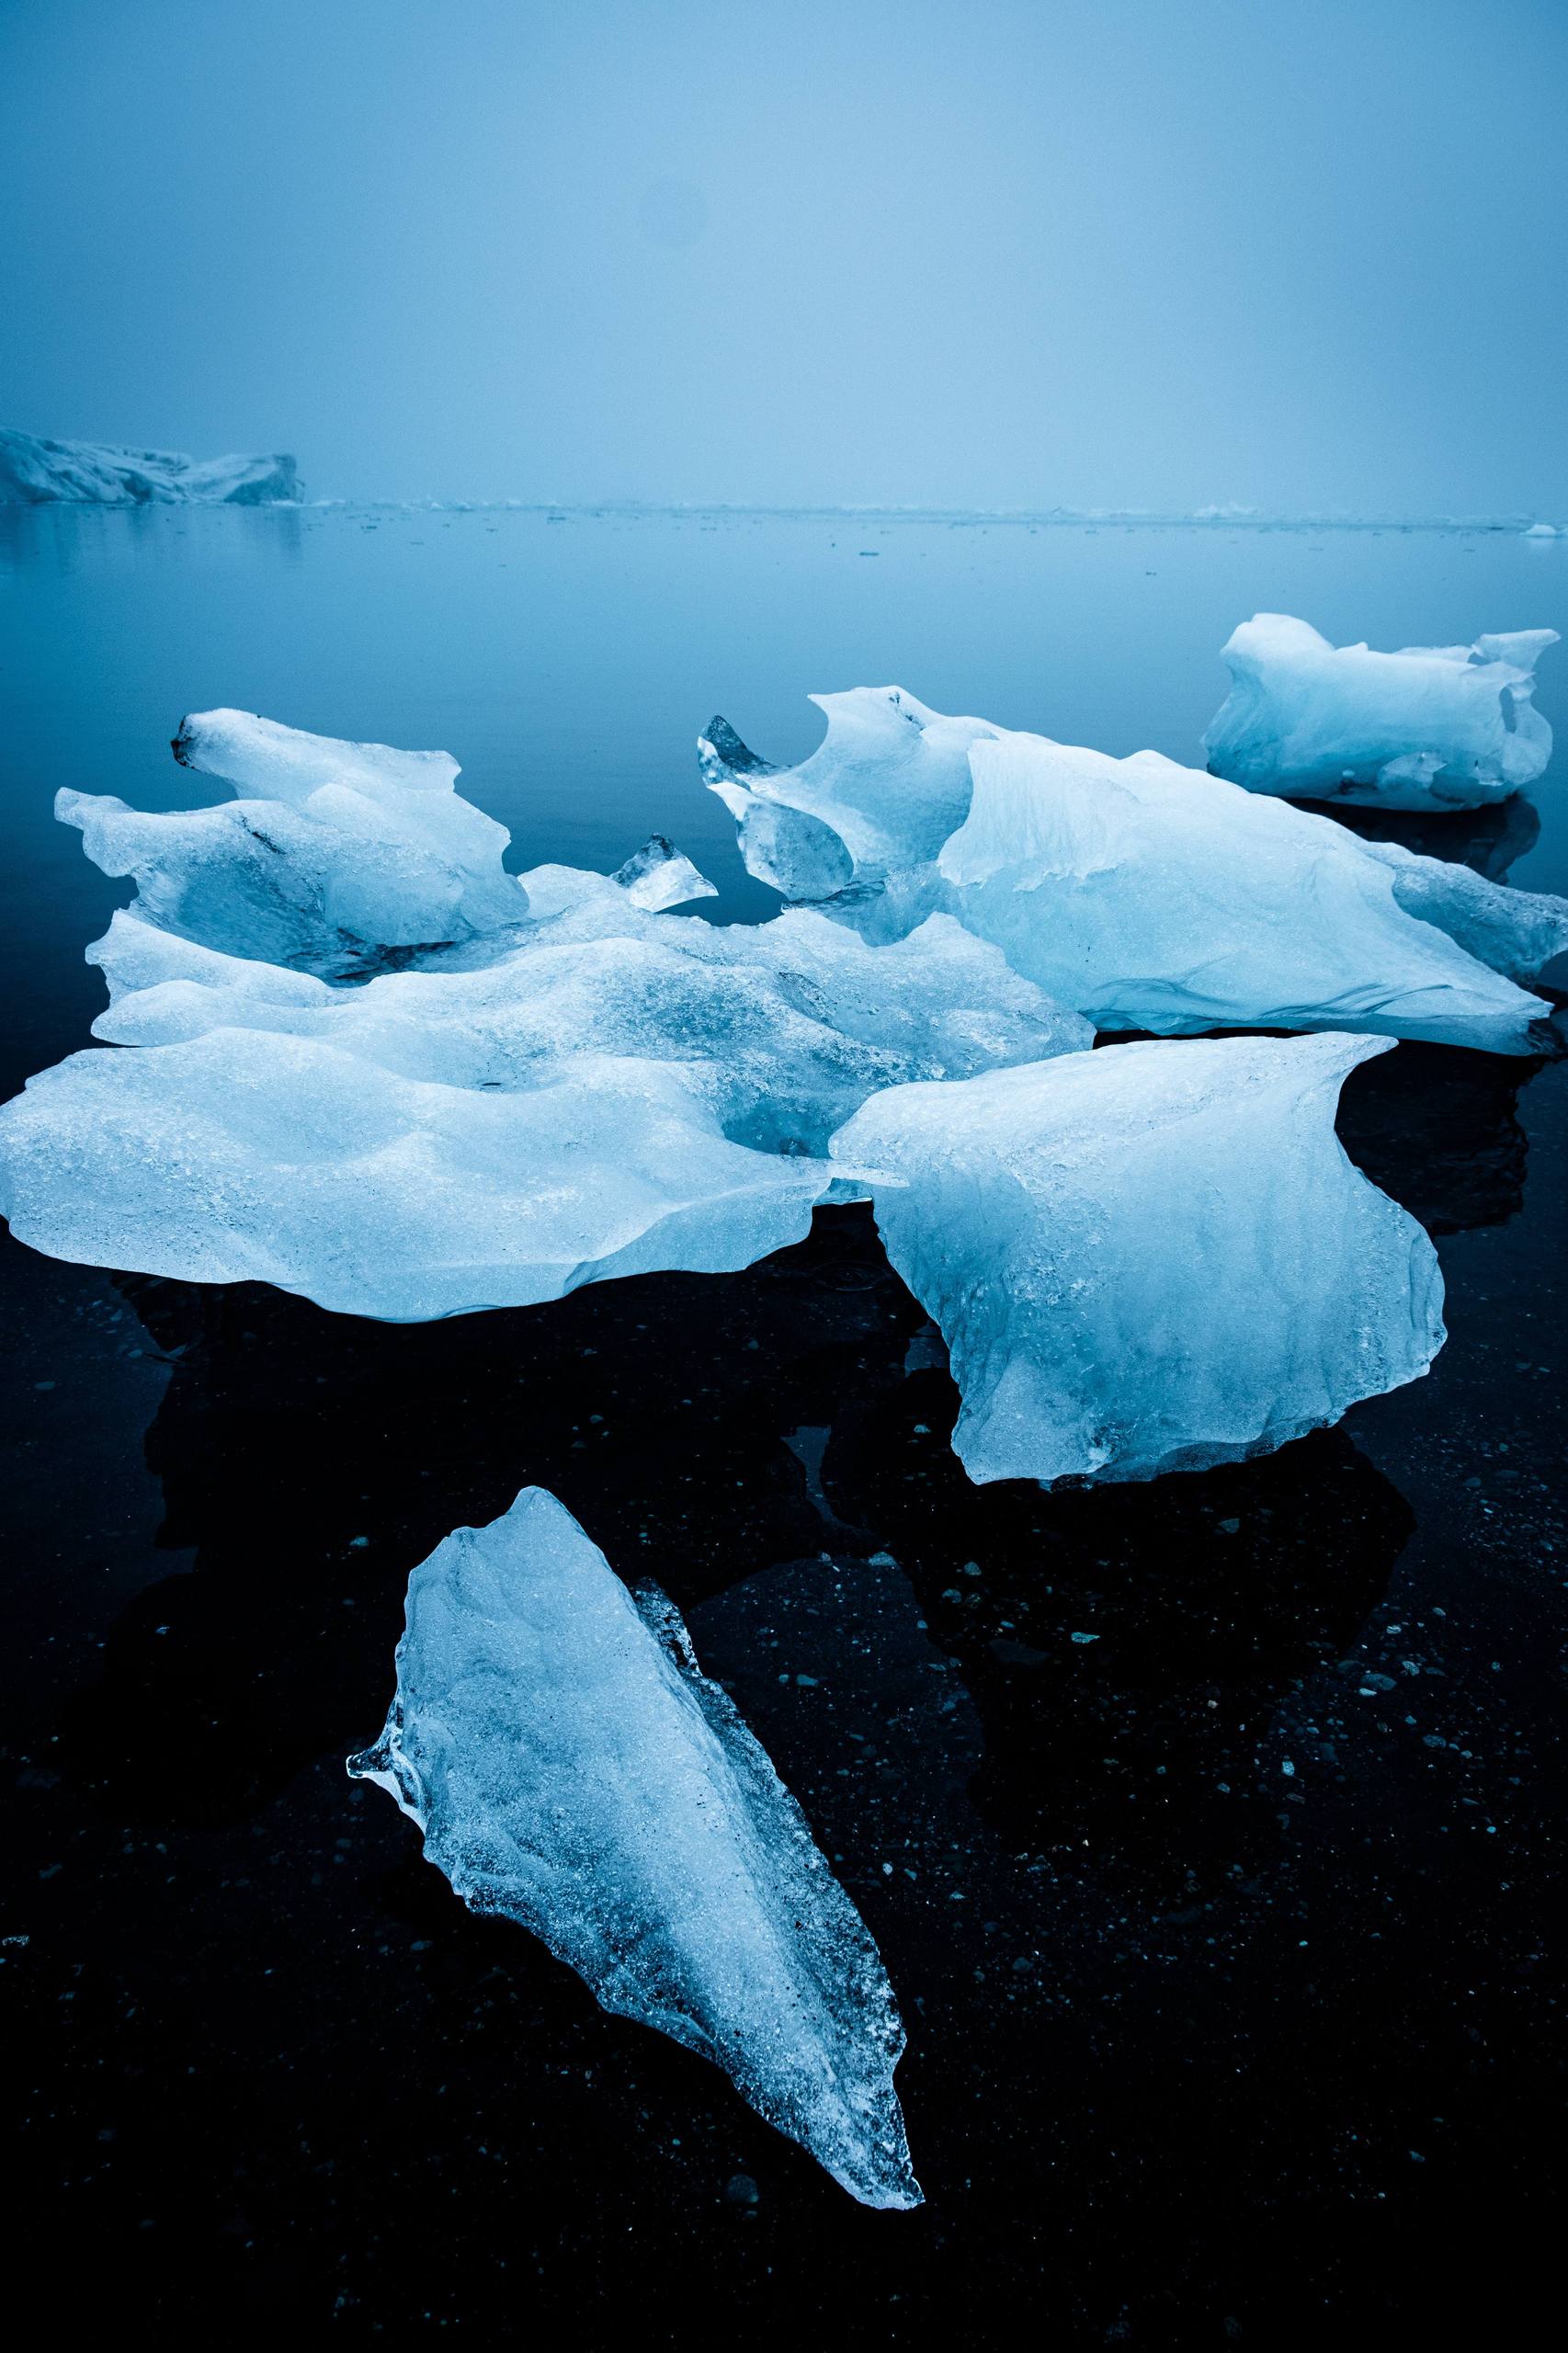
(1301, 259)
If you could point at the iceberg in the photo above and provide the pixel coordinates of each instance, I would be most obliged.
(333, 856)
(570, 1768)
(1430, 727)
(1153, 1257)
(35, 471)
(1151, 896)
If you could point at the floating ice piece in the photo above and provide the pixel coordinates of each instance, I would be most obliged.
(247, 1155)
(1154, 897)
(35, 471)
(573, 1769)
(1153, 1257)
(621, 1093)
(1541, 531)
(793, 1022)
(1431, 727)
(864, 816)
(333, 855)
(657, 877)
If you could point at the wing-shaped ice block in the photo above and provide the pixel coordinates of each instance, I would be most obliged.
(1153, 1257)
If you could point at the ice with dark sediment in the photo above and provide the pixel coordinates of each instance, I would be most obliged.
(1153, 1257)
(1428, 727)
(571, 1768)
(659, 876)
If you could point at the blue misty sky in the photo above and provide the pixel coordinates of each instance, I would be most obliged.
(1294, 254)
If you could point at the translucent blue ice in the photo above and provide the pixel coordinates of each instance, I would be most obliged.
(573, 1769)
(1153, 1257)
(1430, 727)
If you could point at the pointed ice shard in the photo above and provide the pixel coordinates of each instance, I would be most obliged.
(333, 854)
(1153, 1257)
(657, 876)
(573, 1769)
(1430, 727)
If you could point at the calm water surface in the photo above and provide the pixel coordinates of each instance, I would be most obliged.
(1224, 1942)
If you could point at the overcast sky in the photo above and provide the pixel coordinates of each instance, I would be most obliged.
(1299, 254)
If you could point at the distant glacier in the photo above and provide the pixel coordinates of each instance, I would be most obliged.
(36, 473)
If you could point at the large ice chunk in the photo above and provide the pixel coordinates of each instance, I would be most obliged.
(571, 1768)
(1152, 896)
(621, 1092)
(1430, 727)
(1153, 1257)
(793, 1022)
(865, 816)
(34, 472)
(333, 854)
(248, 1154)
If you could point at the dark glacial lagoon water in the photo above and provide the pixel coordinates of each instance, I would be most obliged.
(1203, 2050)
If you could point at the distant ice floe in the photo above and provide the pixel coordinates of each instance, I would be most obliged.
(1430, 727)
(573, 1769)
(1154, 1257)
(35, 472)
(1142, 894)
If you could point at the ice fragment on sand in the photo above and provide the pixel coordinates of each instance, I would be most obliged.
(573, 1769)
(617, 1094)
(249, 1154)
(1430, 727)
(1148, 1258)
